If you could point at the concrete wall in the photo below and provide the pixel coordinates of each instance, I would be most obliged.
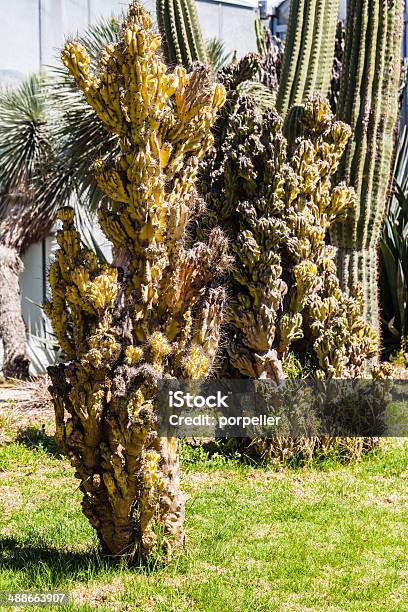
(232, 22)
(32, 33)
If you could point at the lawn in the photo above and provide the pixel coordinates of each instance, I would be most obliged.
(331, 538)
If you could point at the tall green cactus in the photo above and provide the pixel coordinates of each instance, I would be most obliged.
(369, 103)
(180, 29)
(309, 51)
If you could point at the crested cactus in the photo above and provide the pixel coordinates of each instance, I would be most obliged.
(369, 103)
(309, 51)
(276, 208)
(159, 314)
(180, 29)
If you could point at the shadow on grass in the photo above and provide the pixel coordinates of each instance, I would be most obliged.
(40, 564)
(37, 438)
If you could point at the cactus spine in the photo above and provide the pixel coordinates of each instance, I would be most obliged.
(180, 28)
(369, 103)
(122, 329)
(309, 51)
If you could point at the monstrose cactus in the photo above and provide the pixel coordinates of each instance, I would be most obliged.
(276, 208)
(156, 316)
(271, 51)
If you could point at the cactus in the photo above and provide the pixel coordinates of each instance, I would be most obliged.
(337, 66)
(270, 48)
(285, 299)
(276, 208)
(180, 29)
(309, 51)
(158, 316)
(369, 103)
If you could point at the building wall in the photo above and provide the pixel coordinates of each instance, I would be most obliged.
(232, 22)
(32, 33)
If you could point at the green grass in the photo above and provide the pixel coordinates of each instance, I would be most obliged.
(257, 540)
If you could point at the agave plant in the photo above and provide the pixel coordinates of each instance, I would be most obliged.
(394, 251)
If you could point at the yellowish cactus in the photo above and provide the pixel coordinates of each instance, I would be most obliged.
(123, 328)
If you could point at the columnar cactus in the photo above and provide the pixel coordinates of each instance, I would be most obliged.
(158, 315)
(369, 103)
(277, 208)
(179, 26)
(309, 51)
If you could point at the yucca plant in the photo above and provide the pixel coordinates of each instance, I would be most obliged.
(31, 189)
(218, 57)
(48, 140)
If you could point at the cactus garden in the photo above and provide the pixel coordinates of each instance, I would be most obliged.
(215, 219)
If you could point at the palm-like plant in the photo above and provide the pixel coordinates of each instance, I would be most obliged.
(48, 140)
(218, 57)
(28, 150)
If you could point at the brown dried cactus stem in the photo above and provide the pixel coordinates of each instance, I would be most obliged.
(123, 330)
(22, 223)
(271, 50)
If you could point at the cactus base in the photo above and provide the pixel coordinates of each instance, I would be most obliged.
(361, 268)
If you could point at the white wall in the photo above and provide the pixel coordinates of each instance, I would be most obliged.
(34, 289)
(231, 22)
(32, 32)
